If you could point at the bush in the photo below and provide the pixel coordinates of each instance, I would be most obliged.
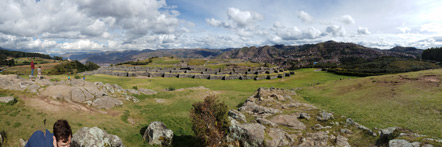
(77, 77)
(209, 121)
(171, 89)
(135, 87)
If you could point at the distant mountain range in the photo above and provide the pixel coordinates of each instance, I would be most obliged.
(282, 55)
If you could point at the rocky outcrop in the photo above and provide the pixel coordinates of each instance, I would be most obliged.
(278, 120)
(399, 143)
(8, 99)
(95, 137)
(158, 134)
(98, 94)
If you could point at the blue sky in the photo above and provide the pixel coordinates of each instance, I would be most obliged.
(62, 26)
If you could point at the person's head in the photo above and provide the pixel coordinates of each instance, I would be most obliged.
(39, 66)
(62, 134)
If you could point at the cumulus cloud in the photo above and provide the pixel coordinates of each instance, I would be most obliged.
(404, 29)
(335, 30)
(87, 20)
(363, 31)
(80, 45)
(347, 19)
(304, 16)
(294, 33)
(243, 18)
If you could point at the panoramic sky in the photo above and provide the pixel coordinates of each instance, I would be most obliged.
(62, 26)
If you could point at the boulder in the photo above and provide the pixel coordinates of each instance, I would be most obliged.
(237, 115)
(147, 91)
(106, 102)
(324, 116)
(399, 143)
(278, 138)
(288, 121)
(388, 134)
(158, 134)
(248, 135)
(264, 121)
(252, 108)
(315, 139)
(342, 141)
(80, 95)
(8, 99)
(95, 137)
(304, 116)
(133, 91)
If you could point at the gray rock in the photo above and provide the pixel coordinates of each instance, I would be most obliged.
(387, 134)
(22, 142)
(416, 144)
(7, 99)
(95, 137)
(304, 116)
(158, 134)
(427, 145)
(109, 88)
(319, 127)
(147, 91)
(346, 131)
(288, 121)
(237, 115)
(133, 91)
(264, 121)
(279, 138)
(350, 122)
(249, 135)
(106, 102)
(324, 116)
(80, 95)
(252, 108)
(314, 139)
(399, 143)
(342, 141)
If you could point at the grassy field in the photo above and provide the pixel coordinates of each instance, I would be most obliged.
(409, 100)
(412, 104)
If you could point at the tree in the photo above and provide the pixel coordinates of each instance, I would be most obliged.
(434, 54)
(91, 66)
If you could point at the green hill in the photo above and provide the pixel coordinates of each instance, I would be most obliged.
(409, 100)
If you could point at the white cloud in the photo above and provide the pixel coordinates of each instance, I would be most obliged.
(363, 31)
(304, 16)
(347, 19)
(335, 30)
(243, 18)
(82, 44)
(294, 33)
(432, 28)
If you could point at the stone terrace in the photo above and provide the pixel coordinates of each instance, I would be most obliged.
(246, 73)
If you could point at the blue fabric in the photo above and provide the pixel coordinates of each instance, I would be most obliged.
(32, 73)
(38, 139)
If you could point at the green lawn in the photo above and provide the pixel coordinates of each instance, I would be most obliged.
(371, 103)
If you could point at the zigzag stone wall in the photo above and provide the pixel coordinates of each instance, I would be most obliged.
(258, 73)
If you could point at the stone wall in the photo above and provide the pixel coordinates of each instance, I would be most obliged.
(248, 73)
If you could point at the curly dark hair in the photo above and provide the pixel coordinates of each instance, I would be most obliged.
(62, 130)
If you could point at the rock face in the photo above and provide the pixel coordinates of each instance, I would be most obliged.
(106, 102)
(249, 134)
(399, 143)
(283, 121)
(158, 134)
(76, 90)
(95, 137)
(7, 99)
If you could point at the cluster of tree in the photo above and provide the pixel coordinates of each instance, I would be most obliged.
(18, 54)
(73, 67)
(383, 65)
(433, 54)
(4, 61)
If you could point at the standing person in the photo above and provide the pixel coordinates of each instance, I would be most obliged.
(32, 68)
(61, 137)
(39, 72)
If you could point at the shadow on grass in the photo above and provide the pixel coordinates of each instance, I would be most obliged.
(181, 141)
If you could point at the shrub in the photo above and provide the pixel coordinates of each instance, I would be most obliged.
(77, 77)
(209, 121)
(171, 89)
(135, 87)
